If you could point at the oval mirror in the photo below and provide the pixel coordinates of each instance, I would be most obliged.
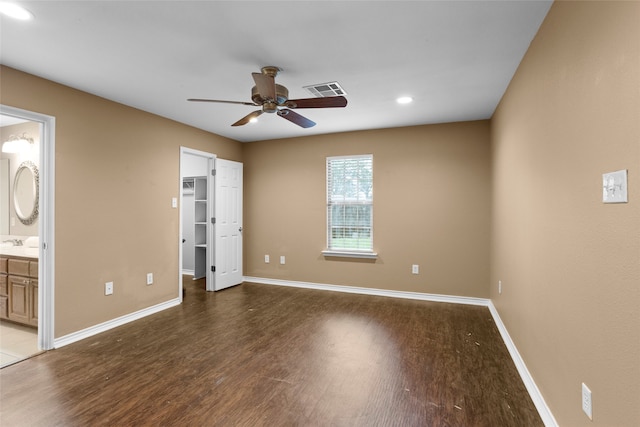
(26, 192)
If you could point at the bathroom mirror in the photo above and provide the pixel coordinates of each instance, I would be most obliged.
(4, 196)
(26, 192)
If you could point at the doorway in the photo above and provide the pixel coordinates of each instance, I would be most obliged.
(27, 234)
(196, 211)
(210, 219)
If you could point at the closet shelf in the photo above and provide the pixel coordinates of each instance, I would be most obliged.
(200, 226)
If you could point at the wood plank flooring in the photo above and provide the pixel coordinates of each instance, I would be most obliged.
(259, 355)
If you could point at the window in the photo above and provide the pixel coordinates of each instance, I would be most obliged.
(350, 205)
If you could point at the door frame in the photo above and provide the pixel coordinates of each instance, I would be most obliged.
(210, 280)
(46, 222)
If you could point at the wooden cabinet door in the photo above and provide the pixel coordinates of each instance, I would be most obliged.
(33, 302)
(4, 297)
(19, 299)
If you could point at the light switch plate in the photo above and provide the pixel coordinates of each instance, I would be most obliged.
(586, 401)
(614, 187)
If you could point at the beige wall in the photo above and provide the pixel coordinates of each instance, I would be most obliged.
(431, 207)
(117, 169)
(569, 264)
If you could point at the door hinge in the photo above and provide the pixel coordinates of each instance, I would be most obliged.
(213, 172)
(213, 220)
(213, 268)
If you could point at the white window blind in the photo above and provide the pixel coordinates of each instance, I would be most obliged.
(350, 203)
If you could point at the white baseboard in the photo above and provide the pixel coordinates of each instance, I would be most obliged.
(534, 392)
(102, 327)
(544, 411)
(371, 291)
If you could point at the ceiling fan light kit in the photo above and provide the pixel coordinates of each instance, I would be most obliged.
(274, 98)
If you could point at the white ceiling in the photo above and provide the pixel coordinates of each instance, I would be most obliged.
(455, 58)
(9, 120)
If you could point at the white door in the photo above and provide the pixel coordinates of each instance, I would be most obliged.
(228, 224)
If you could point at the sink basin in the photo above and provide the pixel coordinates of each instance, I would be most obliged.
(6, 245)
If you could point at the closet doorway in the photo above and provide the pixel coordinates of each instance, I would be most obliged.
(210, 219)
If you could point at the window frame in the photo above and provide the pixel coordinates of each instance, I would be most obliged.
(344, 252)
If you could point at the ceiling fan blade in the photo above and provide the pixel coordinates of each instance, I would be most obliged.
(266, 85)
(246, 119)
(224, 102)
(331, 101)
(296, 118)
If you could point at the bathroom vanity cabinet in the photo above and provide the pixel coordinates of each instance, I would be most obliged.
(4, 290)
(19, 290)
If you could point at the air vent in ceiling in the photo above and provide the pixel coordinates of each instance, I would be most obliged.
(324, 90)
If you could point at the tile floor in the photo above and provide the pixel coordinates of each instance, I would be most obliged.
(17, 343)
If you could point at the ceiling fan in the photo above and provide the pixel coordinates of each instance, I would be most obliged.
(274, 98)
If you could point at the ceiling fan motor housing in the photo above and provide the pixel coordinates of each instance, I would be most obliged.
(282, 95)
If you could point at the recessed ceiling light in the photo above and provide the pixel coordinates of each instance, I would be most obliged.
(404, 100)
(253, 120)
(14, 11)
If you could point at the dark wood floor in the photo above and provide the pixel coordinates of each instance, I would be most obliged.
(259, 355)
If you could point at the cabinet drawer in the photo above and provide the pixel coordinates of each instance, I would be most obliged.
(3, 265)
(4, 291)
(18, 267)
(33, 268)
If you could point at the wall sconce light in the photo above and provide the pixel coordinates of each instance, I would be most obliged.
(16, 144)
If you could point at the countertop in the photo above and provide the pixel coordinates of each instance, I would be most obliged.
(21, 251)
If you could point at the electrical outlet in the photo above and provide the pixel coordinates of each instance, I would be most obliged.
(586, 401)
(266, 259)
(108, 288)
(415, 269)
(282, 260)
(499, 286)
(149, 278)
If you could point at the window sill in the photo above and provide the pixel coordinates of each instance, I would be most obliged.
(347, 254)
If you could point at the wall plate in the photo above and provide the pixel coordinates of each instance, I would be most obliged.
(614, 187)
(587, 401)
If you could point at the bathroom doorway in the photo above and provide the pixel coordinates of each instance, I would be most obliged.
(26, 234)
